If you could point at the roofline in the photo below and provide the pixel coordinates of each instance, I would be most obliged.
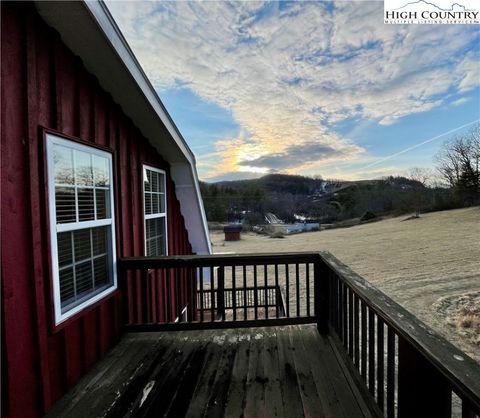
(94, 8)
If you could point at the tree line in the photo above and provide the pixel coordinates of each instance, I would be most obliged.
(454, 183)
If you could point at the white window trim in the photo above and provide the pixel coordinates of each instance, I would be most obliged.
(54, 228)
(156, 215)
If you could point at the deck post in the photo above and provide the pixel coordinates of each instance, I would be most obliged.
(422, 390)
(221, 293)
(321, 292)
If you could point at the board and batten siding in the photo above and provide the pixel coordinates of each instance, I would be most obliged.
(45, 86)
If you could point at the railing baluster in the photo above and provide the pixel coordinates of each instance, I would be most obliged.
(156, 296)
(345, 315)
(356, 331)
(380, 364)
(363, 356)
(200, 270)
(234, 293)
(307, 280)
(221, 293)
(331, 306)
(277, 289)
(287, 289)
(212, 294)
(336, 301)
(178, 303)
(390, 373)
(350, 323)
(297, 287)
(192, 286)
(340, 309)
(255, 289)
(371, 351)
(265, 283)
(245, 302)
(168, 282)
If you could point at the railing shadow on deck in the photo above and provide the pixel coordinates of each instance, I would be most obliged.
(405, 367)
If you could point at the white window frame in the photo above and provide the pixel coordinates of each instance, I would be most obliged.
(155, 215)
(55, 228)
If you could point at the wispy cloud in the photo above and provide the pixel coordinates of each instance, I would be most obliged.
(289, 72)
(427, 141)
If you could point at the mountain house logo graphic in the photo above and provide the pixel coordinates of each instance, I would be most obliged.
(436, 12)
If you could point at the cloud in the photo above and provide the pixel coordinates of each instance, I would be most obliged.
(288, 73)
(460, 101)
(298, 155)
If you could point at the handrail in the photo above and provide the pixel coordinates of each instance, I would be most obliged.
(218, 260)
(460, 370)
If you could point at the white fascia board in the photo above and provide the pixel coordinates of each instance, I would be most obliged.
(188, 193)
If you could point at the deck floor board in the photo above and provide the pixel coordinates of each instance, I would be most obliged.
(288, 371)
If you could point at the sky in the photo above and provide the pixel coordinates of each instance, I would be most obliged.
(313, 88)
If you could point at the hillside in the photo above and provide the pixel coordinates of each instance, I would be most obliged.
(429, 265)
(291, 184)
(315, 198)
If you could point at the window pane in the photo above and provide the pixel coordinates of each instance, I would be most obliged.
(154, 175)
(63, 165)
(155, 236)
(100, 271)
(82, 244)
(155, 203)
(101, 171)
(65, 204)
(150, 228)
(83, 277)
(64, 249)
(162, 202)
(146, 179)
(83, 168)
(148, 203)
(99, 240)
(103, 203)
(67, 290)
(85, 205)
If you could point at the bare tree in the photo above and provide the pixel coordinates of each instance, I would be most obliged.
(420, 177)
(420, 174)
(458, 163)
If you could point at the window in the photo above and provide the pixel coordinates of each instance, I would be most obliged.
(80, 196)
(155, 211)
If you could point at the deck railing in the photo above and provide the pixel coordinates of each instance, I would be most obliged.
(405, 368)
(219, 291)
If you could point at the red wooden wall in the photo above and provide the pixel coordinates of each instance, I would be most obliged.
(44, 85)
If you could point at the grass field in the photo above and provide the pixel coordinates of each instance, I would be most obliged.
(430, 265)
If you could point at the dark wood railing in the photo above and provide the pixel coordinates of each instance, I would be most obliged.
(405, 367)
(219, 291)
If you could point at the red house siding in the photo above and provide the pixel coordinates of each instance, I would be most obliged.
(44, 85)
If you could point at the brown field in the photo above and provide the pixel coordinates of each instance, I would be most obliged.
(430, 265)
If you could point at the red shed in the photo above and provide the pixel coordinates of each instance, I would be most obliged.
(93, 169)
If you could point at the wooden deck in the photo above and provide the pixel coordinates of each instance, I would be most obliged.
(288, 371)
